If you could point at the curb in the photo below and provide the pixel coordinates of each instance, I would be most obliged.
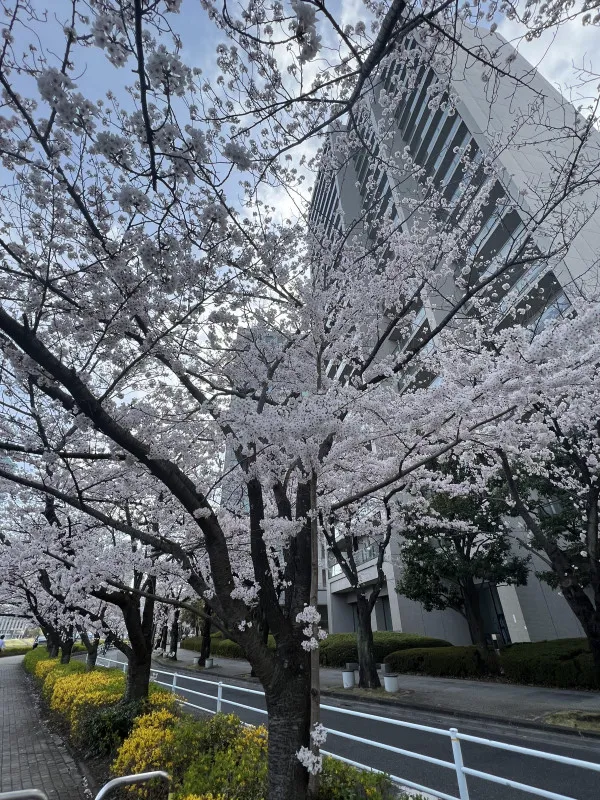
(397, 703)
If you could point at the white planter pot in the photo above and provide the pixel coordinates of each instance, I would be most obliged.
(195, 661)
(348, 678)
(209, 663)
(391, 683)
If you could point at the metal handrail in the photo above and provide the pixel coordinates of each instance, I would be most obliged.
(24, 794)
(455, 737)
(127, 780)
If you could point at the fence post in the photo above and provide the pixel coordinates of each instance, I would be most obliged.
(174, 687)
(219, 696)
(463, 790)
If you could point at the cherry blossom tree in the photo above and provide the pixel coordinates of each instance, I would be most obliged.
(169, 338)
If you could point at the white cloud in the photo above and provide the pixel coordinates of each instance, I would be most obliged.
(561, 55)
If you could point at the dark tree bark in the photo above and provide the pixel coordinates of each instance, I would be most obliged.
(164, 635)
(472, 607)
(589, 619)
(52, 643)
(367, 669)
(287, 699)
(139, 625)
(206, 641)
(66, 649)
(174, 633)
(91, 646)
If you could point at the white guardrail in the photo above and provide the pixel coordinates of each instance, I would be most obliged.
(453, 734)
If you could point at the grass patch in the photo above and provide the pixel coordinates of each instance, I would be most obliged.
(580, 720)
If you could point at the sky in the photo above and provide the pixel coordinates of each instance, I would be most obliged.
(557, 55)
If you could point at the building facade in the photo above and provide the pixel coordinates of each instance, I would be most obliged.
(516, 110)
(12, 627)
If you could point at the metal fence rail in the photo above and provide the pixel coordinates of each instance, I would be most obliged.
(457, 763)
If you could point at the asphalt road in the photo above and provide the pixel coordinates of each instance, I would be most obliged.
(575, 782)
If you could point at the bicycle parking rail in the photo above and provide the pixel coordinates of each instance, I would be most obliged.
(456, 764)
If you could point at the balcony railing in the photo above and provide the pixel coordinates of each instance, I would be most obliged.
(361, 556)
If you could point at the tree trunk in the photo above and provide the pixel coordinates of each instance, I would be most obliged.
(367, 669)
(52, 644)
(138, 677)
(66, 648)
(264, 635)
(92, 655)
(91, 646)
(163, 638)
(206, 642)
(589, 618)
(288, 705)
(472, 597)
(139, 629)
(174, 635)
(594, 643)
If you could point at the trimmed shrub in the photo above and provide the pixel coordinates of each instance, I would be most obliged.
(60, 671)
(339, 648)
(103, 725)
(33, 656)
(564, 663)
(219, 646)
(207, 796)
(341, 781)
(42, 669)
(103, 730)
(15, 650)
(239, 771)
(450, 662)
(75, 695)
(148, 747)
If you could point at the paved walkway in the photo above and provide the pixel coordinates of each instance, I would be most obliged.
(478, 699)
(31, 756)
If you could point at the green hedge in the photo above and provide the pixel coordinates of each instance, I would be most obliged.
(15, 651)
(340, 648)
(219, 646)
(334, 651)
(33, 656)
(450, 662)
(564, 663)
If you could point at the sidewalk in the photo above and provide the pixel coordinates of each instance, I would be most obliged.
(31, 757)
(504, 702)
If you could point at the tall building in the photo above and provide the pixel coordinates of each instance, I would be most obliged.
(514, 120)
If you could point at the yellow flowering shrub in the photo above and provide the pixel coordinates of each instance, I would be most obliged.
(238, 772)
(60, 671)
(207, 796)
(33, 657)
(75, 695)
(149, 746)
(43, 668)
(72, 688)
(341, 781)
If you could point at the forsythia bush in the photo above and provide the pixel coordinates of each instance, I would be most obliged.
(75, 694)
(164, 740)
(341, 781)
(239, 772)
(60, 671)
(149, 746)
(208, 796)
(220, 759)
(43, 668)
(33, 656)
